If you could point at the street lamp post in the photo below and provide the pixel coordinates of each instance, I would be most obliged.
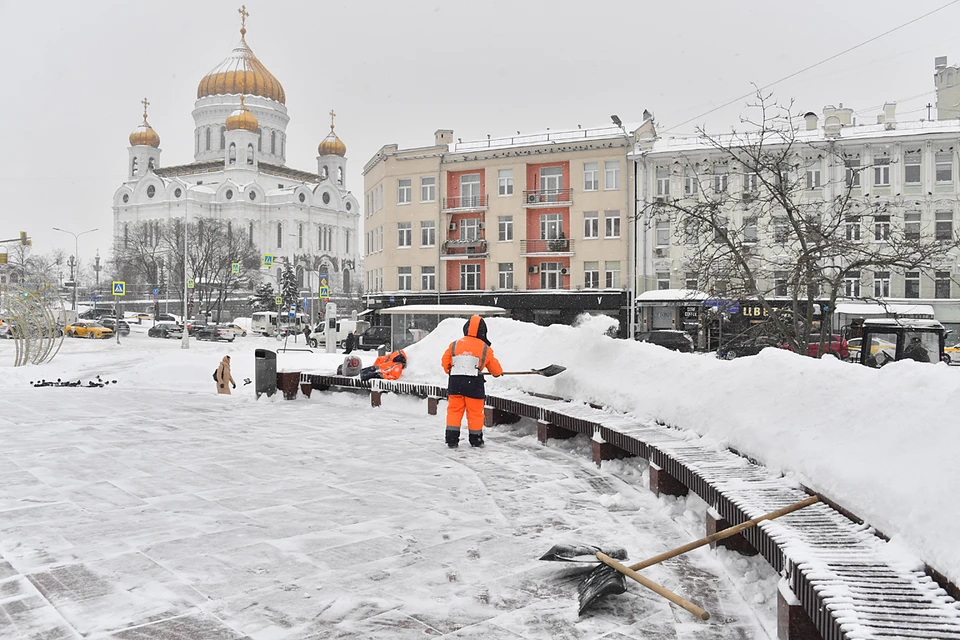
(185, 336)
(96, 268)
(631, 236)
(76, 255)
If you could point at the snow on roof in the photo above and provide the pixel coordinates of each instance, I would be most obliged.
(869, 309)
(446, 310)
(672, 295)
(546, 137)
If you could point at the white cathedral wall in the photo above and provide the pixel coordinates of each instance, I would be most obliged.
(212, 112)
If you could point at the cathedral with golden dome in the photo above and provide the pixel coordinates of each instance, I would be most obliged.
(239, 174)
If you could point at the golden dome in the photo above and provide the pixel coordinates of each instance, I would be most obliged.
(241, 73)
(144, 134)
(242, 118)
(332, 145)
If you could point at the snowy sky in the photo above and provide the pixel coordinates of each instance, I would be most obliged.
(397, 71)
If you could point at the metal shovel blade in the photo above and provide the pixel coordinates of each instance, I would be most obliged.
(578, 552)
(601, 581)
(551, 370)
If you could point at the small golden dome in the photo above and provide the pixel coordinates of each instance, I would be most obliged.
(332, 145)
(242, 118)
(241, 73)
(144, 134)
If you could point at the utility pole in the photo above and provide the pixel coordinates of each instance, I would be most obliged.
(96, 269)
(72, 262)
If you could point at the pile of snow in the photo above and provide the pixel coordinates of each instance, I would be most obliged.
(883, 443)
(598, 324)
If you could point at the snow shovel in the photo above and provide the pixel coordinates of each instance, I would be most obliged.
(548, 371)
(579, 552)
(606, 580)
(653, 586)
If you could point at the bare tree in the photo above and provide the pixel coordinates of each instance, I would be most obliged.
(794, 232)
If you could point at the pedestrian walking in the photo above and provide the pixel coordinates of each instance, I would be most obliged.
(306, 334)
(351, 342)
(464, 361)
(223, 376)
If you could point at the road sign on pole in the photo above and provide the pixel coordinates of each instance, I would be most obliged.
(191, 283)
(278, 300)
(119, 288)
(293, 311)
(324, 292)
(268, 259)
(235, 268)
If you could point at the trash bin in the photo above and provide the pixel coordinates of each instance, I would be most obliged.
(265, 372)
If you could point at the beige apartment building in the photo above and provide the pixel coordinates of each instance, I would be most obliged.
(541, 225)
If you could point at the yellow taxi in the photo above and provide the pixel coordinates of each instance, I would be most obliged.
(87, 329)
(952, 354)
(140, 317)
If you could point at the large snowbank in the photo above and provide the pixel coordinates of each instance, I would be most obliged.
(883, 443)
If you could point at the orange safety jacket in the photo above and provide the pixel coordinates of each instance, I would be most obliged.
(466, 358)
(391, 365)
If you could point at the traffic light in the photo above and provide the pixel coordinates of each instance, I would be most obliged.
(24, 240)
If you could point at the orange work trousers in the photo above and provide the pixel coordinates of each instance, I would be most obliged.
(456, 406)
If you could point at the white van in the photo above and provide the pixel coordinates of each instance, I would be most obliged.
(265, 323)
(344, 327)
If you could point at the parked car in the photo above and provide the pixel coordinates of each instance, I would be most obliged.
(952, 354)
(215, 332)
(140, 317)
(668, 338)
(835, 345)
(165, 330)
(746, 346)
(236, 329)
(96, 314)
(373, 338)
(87, 329)
(111, 323)
(6, 329)
(345, 326)
(166, 317)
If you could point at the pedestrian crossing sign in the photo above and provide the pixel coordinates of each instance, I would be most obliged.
(268, 260)
(119, 288)
(278, 300)
(324, 292)
(235, 268)
(191, 283)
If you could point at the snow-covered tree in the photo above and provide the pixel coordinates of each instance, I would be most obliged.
(289, 288)
(264, 298)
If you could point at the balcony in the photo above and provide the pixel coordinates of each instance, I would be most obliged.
(465, 204)
(543, 198)
(463, 249)
(558, 247)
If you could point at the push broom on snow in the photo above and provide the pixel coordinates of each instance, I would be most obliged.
(608, 578)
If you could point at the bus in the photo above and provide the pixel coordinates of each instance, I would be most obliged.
(265, 322)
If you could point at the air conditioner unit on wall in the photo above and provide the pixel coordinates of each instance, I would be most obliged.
(564, 271)
(660, 253)
(453, 226)
(533, 269)
(480, 225)
(531, 198)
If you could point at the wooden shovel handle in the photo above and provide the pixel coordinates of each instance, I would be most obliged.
(653, 586)
(720, 535)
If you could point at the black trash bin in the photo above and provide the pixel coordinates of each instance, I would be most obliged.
(265, 372)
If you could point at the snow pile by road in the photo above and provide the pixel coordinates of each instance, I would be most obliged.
(883, 443)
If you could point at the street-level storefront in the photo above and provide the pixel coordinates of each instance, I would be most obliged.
(555, 307)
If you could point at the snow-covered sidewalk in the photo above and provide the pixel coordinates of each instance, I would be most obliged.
(159, 508)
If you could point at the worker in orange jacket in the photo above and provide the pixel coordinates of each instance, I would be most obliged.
(391, 365)
(464, 361)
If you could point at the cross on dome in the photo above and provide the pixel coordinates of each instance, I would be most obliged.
(145, 104)
(332, 116)
(243, 19)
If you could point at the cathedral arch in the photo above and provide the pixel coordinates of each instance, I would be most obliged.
(250, 157)
(134, 167)
(223, 137)
(346, 281)
(340, 175)
(151, 163)
(259, 139)
(273, 143)
(232, 154)
(208, 138)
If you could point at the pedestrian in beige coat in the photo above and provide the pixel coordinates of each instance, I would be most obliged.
(224, 377)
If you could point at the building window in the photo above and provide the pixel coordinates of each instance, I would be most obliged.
(911, 168)
(208, 138)
(663, 233)
(591, 224)
(611, 174)
(404, 235)
(550, 277)
(781, 230)
(249, 154)
(690, 281)
(944, 225)
(611, 224)
(232, 155)
(720, 181)
(470, 277)
(691, 232)
(851, 228)
(690, 182)
(228, 194)
(590, 179)
(780, 283)
(346, 241)
(505, 228)
(279, 235)
(126, 233)
(663, 280)
(881, 284)
(250, 231)
(404, 191)
(134, 167)
(428, 189)
(813, 176)
(941, 283)
(151, 163)
(611, 274)
(223, 137)
(404, 278)
(428, 234)
(881, 228)
(505, 279)
(944, 162)
(720, 230)
(470, 190)
(852, 166)
(470, 229)
(551, 181)
(750, 182)
(663, 181)
(428, 278)
(551, 226)
(881, 172)
(273, 142)
(911, 225)
(505, 182)
(300, 236)
(851, 285)
(591, 275)
(259, 139)
(750, 233)
(911, 284)
(151, 191)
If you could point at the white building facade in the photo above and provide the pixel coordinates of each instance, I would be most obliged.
(239, 175)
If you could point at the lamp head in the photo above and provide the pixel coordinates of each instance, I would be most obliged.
(616, 120)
